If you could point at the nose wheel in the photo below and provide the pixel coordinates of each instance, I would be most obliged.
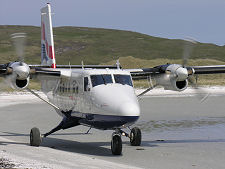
(116, 144)
(35, 137)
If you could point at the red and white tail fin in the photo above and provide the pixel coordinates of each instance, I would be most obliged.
(47, 43)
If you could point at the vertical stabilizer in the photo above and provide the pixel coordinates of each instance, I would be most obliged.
(47, 43)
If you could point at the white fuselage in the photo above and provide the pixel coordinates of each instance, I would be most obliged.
(107, 92)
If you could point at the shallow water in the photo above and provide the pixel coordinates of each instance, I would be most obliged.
(170, 125)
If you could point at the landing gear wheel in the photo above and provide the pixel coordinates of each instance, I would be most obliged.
(135, 136)
(116, 145)
(35, 137)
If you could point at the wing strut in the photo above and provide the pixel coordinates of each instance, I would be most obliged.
(46, 101)
(151, 86)
(147, 90)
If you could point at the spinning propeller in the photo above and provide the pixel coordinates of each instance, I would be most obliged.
(17, 74)
(20, 69)
(188, 48)
(19, 40)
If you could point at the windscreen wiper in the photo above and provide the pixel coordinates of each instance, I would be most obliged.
(103, 80)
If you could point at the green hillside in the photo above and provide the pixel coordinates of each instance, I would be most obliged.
(95, 46)
(105, 46)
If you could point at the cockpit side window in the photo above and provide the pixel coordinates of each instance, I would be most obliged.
(123, 79)
(100, 79)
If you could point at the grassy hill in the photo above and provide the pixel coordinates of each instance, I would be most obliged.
(98, 46)
(95, 46)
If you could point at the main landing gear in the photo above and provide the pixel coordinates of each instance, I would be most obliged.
(35, 137)
(116, 143)
(135, 136)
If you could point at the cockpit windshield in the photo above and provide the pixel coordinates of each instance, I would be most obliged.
(100, 79)
(123, 79)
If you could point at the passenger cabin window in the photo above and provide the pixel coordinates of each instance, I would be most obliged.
(85, 83)
(123, 79)
(101, 79)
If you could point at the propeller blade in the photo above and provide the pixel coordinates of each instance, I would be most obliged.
(19, 40)
(201, 93)
(188, 47)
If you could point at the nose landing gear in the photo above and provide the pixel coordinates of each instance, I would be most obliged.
(116, 143)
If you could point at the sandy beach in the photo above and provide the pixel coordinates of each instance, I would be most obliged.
(178, 132)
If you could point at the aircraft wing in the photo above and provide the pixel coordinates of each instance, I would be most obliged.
(173, 77)
(9, 68)
(209, 69)
(2, 69)
(6, 69)
(138, 74)
(45, 71)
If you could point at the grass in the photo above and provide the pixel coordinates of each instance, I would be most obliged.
(95, 46)
(4, 87)
(105, 46)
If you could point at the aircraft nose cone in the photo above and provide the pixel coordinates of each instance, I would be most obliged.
(129, 109)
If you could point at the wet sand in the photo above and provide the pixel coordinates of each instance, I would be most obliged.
(178, 132)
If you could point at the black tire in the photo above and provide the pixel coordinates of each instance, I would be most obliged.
(116, 145)
(35, 137)
(135, 136)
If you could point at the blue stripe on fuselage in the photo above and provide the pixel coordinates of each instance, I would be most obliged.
(105, 122)
(109, 122)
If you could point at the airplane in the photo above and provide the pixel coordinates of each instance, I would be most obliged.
(97, 96)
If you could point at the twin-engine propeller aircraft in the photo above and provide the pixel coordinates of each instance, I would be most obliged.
(97, 96)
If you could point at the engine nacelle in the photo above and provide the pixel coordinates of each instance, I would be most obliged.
(169, 82)
(19, 79)
(18, 84)
(174, 77)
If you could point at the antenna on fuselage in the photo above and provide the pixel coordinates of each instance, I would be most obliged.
(69, 65)
(82, 64)
(118, 64)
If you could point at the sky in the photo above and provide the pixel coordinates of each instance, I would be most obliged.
(203, 20)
